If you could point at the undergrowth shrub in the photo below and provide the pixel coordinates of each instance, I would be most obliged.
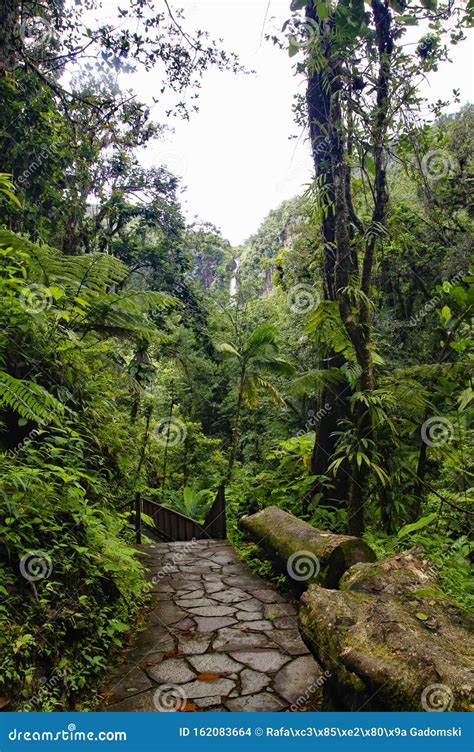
(69, 587)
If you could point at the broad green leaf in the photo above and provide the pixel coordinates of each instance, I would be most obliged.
(397, 6)
(421, 616)
(322, 10)
(294, 47)
(408, 20)
(465, 398)
(418, 525)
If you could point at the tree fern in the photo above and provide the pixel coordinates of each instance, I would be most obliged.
(314, 380)
(79, 275)
(28, 399)
(122, 314)
(88, 282)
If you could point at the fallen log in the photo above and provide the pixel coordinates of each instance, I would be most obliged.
(391, 639)
(302, 552)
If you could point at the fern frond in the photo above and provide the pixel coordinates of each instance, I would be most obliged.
(78, 275)
(28, 399)
(314, 380)
(121, 314)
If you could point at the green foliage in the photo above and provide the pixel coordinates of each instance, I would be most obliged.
(66, 622)
(194, 504)
(258, 357)
(31, 401)
(111, 307)
(418, 525)
(66, 471)
(450, 557)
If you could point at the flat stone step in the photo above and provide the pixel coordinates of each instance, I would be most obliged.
(219, 638)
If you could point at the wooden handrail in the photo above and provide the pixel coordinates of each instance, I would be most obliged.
(175, 526)
(215, 522)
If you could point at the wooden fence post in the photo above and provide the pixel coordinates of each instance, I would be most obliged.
(138, 518)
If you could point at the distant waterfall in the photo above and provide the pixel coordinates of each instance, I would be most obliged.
(233, 281)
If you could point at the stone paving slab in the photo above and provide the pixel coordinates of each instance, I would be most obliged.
(218, 638)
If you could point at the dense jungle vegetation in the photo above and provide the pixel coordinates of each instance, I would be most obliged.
(325, 366)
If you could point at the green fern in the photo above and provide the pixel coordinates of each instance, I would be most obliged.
(314, 380)
(89, 302)
(122, 314)
(78, 275)
(29, 400)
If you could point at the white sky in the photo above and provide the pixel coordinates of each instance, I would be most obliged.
(234, 155)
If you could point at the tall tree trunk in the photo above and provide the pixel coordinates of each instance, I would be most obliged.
(236, 432)
(9, 35)
(335, 395)
(165, 454)
(330, 115)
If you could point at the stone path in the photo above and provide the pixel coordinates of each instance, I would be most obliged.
(219, 638)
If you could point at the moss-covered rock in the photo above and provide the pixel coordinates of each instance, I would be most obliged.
(391, 639)
(301, 551)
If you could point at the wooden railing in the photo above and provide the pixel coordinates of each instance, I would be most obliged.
(215, 521)
(173, 526)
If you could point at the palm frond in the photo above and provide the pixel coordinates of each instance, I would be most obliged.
(227, 347)
(253, 384)
(273, 366)
(263, 337)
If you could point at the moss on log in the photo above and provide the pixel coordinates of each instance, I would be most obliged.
(302, 552)
(391, 639)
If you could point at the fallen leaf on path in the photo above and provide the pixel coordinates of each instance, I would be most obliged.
(422, 617)
(208, 677)
(106, 695)
(188, 707)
